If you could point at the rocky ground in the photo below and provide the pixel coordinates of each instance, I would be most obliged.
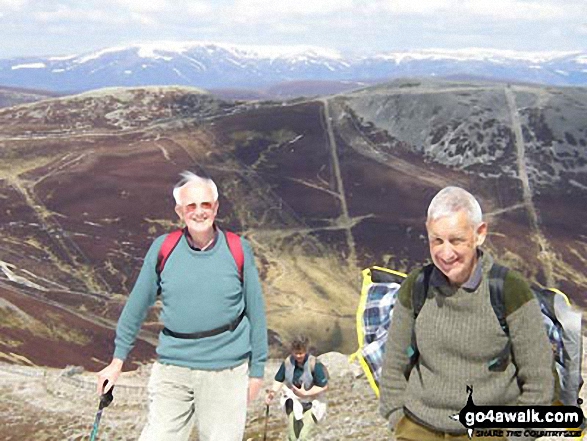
(48, 404)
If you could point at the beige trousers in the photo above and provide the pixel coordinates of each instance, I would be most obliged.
(179, 397)
(408, 430)
(300, 430)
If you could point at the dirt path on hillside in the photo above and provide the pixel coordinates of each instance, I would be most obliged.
(419, 90)
(501, 211)
(545, 255)
(345, 218)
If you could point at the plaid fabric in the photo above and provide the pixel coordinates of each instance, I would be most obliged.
(381, 299)
(555, 331)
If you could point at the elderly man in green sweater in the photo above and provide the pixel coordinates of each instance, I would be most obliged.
(457, 333)
(212, 351)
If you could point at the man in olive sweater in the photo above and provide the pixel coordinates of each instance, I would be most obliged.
(201, 376)
(457, 333)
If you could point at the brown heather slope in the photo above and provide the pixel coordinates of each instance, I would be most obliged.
(322, 188)
(52, 335)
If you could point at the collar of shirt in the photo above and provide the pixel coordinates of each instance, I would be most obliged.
(206, 247)
(439, 280)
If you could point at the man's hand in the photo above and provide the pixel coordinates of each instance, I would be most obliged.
(109, 375)
(255, 385)
(270, 396)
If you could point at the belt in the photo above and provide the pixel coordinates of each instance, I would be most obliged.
(203, 334)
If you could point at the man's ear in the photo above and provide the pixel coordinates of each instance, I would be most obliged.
(178, 211)
(481, 234)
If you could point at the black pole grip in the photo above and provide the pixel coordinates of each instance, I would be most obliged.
(106, 398)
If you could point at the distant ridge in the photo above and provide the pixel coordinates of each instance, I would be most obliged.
(230, 66)
(11, 96)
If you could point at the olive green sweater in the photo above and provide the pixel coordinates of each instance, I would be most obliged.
(457, 334)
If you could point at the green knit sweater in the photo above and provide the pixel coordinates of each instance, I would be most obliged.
(200, 291)
(457, 335)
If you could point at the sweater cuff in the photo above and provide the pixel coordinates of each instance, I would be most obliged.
(257, 370)
(121, 353)
(394, 418)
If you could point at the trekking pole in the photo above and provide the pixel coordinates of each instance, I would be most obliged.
(105, 400)
(266, 421)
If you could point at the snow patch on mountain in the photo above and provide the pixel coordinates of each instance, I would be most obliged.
(473, 54)
(29, 66)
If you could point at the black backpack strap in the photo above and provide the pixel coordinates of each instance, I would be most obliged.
(419, 295)
(497, 275)
(420, 289)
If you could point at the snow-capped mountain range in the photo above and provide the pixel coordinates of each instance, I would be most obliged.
(212, 65)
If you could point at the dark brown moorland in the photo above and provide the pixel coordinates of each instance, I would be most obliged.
(321, 187)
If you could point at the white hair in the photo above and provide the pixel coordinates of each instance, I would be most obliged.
(451, 200)
(187, 179)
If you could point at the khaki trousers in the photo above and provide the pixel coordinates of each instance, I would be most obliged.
(408, 430)
(179, 397)
(300, 430)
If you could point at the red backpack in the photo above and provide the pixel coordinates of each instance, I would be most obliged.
(234, 245)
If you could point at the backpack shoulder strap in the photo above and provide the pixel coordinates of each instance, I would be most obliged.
(420, 289)
(419, 295)
(236, 249)
(287, 362)
(312, 361)
(168, 245)
(497, 275)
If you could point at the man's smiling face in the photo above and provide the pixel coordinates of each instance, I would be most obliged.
(198, 208)
(453, 242)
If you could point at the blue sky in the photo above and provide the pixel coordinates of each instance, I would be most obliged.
(54, 27)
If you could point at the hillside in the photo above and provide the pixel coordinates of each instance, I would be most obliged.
(321, 188)
(12, 96)
(50, 404)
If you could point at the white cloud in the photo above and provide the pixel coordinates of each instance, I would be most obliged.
(362, 26)
(290, 28)
(57, 29)
(144, 6)
(65, 13)
(199, 8)
(508, 10)
(12, 4)
(159, 12)
(144, 19)
(516, 10)
(270, 9)
(410, 7)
